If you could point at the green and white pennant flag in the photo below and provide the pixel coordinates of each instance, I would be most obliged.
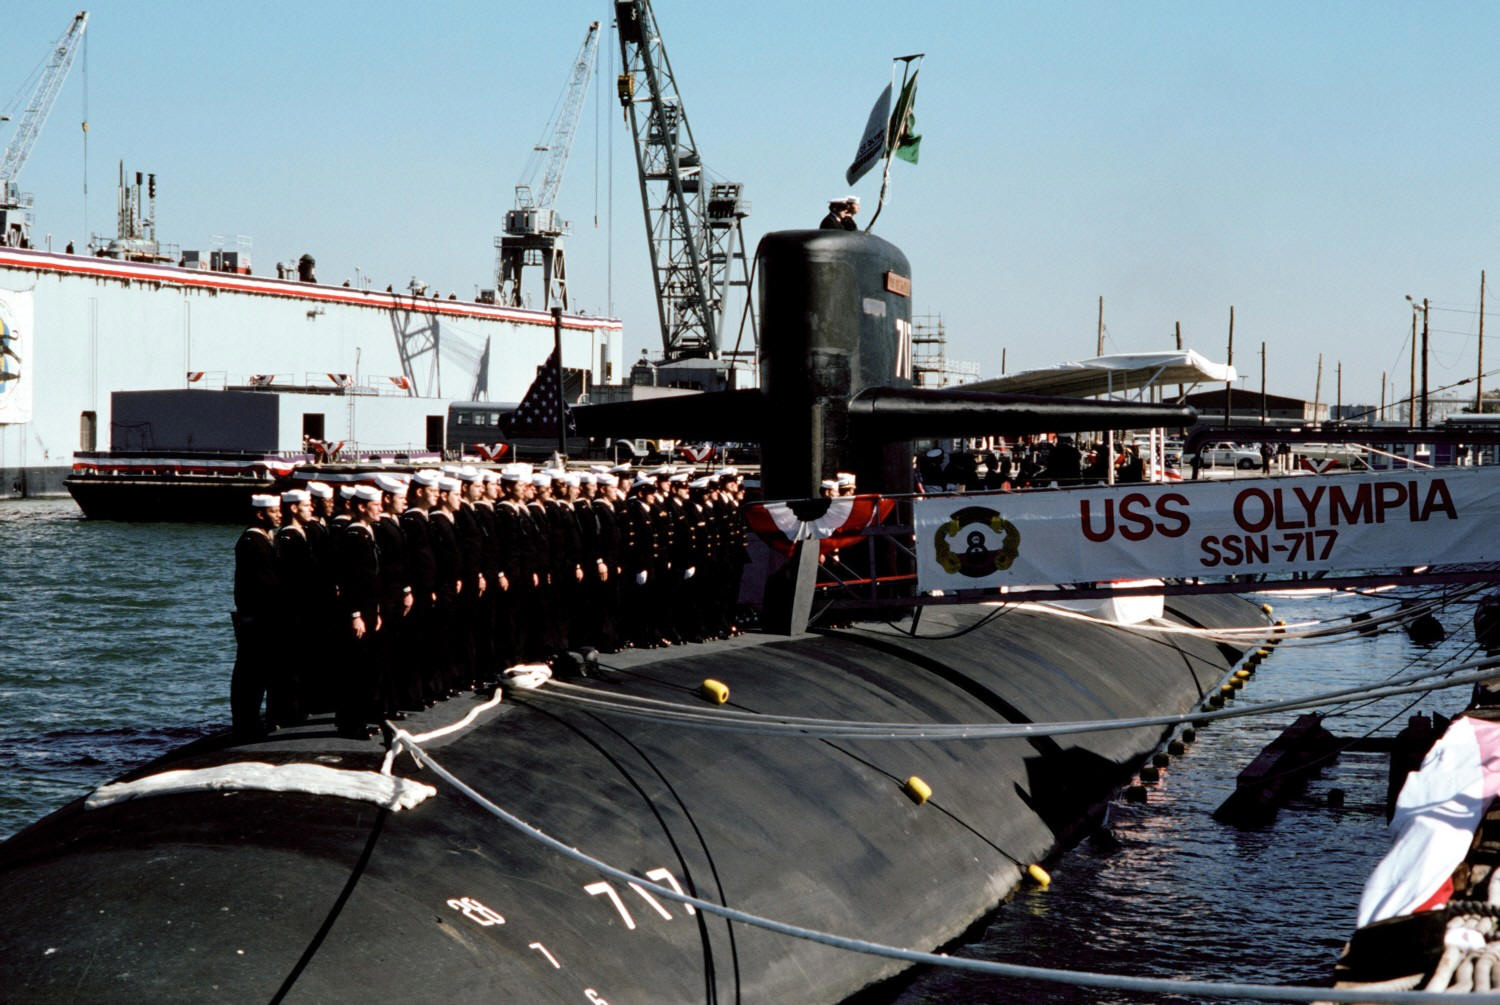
(888, 132)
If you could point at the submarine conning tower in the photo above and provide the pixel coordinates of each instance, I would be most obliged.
(835, 311)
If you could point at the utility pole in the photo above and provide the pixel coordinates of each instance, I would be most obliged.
(1178, 327)
(1381, 413)
(1411, 403)
(1338, 384)
(1002, 361)
(1426, 307)
(1479, 374)
(1099, 351)
(1262, 383)
(1318, 388)
(1229, 385)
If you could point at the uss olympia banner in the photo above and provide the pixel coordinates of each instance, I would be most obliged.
(1333, 523)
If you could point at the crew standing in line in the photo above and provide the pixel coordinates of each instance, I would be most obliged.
(300, 617)
(418, 656)
(257, 589)
(359, 592)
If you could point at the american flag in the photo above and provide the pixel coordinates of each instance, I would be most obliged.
(538, 412)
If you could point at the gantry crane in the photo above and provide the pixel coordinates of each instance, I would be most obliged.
(693, 228)
(533, 230)
(15, 216)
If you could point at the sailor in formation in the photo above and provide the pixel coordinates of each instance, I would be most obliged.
(409, 590)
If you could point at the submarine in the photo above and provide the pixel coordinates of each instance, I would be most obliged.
(306, 867)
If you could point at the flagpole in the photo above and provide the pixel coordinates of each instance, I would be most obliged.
(892, 141)
(562, 405)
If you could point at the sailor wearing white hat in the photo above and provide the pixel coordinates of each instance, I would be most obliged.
(302, 620)
(257, 600)
(419, 679)
(395, 601)
(356, 701)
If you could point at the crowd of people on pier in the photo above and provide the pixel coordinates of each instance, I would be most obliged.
(1028, 464)
(379, 599)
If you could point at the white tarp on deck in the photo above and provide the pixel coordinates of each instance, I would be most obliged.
(1119, 375)
(1436, 814)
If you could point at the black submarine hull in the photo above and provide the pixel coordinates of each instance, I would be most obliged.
(242, 896)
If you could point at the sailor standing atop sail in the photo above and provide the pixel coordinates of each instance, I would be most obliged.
(257, 586)
(841, 214)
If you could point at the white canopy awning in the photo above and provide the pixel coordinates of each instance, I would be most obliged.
(1118, 375)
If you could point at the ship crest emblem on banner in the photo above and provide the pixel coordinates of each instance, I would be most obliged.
(976, 542)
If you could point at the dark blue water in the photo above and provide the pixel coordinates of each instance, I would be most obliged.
(115, 646)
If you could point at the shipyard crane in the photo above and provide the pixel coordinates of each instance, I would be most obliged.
(693, 228)
(533, 230)
(15, 221)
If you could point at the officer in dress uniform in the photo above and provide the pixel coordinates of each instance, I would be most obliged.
(565, 553)
(301, 617)
(257, 586)
(605, 505)
(421, 670)
(662, 589)
(359, 595)
(732, 488)
(682, 606)
(707, 588)
(546, 641)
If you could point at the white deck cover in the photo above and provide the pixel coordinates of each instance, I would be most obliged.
(1119, 375)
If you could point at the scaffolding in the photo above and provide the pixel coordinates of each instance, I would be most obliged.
(930, 365)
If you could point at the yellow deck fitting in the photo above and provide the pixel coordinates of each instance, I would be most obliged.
(917, 790)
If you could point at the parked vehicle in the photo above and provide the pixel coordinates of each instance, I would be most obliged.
(1244, 456)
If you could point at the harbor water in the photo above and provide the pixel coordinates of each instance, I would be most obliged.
(115, 646)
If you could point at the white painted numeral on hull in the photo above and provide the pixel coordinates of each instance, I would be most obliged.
(543, 950)
(476, 912)
(594, 889)
(638, 888)
(665, 878)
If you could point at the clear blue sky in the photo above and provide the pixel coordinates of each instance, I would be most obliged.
(1309, 164)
